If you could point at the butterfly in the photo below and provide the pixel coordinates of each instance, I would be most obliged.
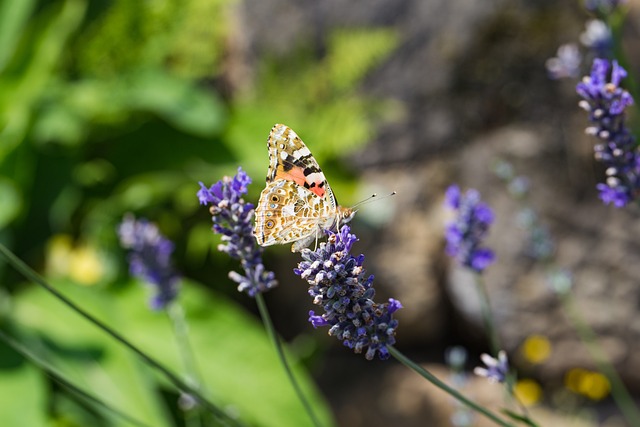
(297, 204)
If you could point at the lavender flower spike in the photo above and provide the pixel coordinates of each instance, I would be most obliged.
(338, 283)
(465, 234)
(233, 219)
(606, 101)
(150, 258)
(496, 369)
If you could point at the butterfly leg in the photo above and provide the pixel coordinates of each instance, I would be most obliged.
(299, 245)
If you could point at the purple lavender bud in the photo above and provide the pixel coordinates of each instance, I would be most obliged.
(233, 220)
(150, 258)
(339, 284)
(465, 233)
(606, 101)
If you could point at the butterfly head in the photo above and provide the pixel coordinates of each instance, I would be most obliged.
(345, 215)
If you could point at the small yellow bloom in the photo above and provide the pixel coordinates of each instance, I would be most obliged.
(59, 250)
(528, 392)
(536, 349)
(85, 266)
(81, 263)
(573, 379)
(591, 384)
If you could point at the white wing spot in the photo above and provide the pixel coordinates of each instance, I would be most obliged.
(302, 192)
(288, 210)
(284, 155)
(302, 152)
(316, 177)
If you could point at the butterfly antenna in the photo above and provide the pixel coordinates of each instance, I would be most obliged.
(372, 198)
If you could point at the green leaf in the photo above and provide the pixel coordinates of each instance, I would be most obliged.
(89, 358)
(234, 355)
(23, 391)
(13, 19)
(354, 52)
(21, 96)
(180, 102)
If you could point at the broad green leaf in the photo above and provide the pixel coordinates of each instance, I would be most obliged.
(13, 19)
(354, 52)
(180, 102)
(89, 358)
(23, 391)
(17, 104)
(234, 355)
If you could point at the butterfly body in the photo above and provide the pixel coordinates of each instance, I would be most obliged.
(297, 204)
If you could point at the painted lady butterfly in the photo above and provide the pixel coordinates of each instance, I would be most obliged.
(297, 204)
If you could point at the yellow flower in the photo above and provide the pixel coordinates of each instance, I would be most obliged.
(528, 392)
(59, 250)
(85, 266)
(536, 349)
(591, 384)
(80, 263)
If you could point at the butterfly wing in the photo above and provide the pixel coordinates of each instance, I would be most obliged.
(291, 160)
(297, 203)
(288, 212)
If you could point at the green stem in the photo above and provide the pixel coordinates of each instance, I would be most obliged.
(181, 331)
(485, 307)
(443, 386)
(28, 273)
(266, 319)
(511, 391)
(61, 379)
(587, 335)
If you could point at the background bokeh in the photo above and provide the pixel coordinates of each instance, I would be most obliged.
(110, 107)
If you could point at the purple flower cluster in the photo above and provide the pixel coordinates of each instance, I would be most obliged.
(232, 218)
(465, 233)
(150, 258)
(606, 101)
(338, 283)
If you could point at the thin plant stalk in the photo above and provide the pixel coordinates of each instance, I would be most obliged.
(194, 378)
(511, 391)
(61, 379)
(494, 339)
(487, 317)
(619, 392)
(28, 273)
(447, 389)
(266, 319)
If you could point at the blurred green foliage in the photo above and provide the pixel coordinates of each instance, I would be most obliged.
(235, 356)
(111, 107)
